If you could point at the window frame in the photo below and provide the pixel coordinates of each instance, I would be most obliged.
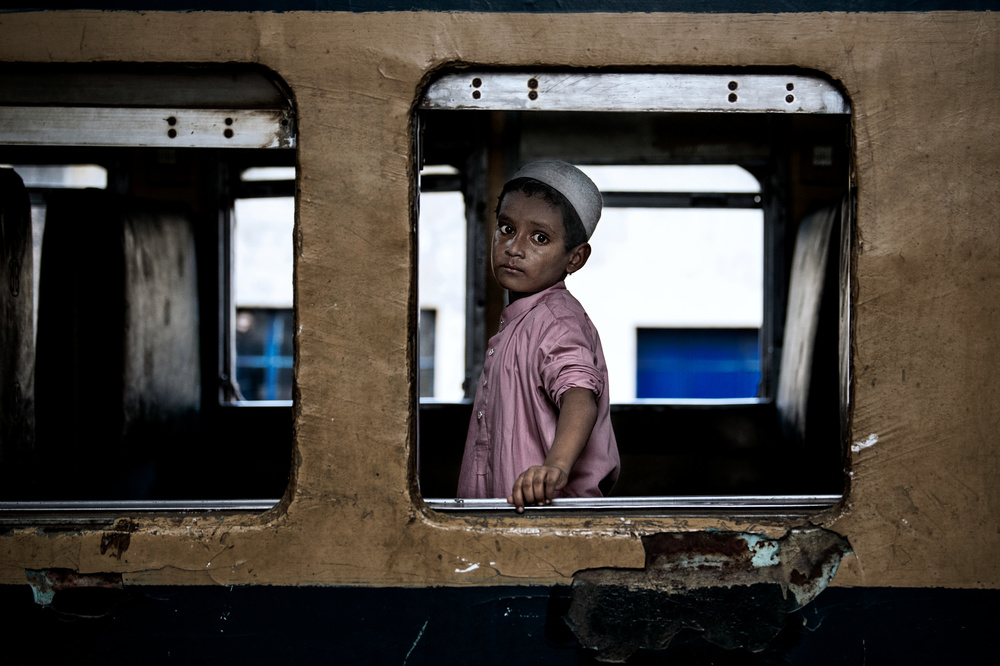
(234, 109)
(771, 93)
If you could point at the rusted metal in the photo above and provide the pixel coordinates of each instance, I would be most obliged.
(45, 583)
(735, 589)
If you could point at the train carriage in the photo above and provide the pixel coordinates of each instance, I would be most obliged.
(242, 330)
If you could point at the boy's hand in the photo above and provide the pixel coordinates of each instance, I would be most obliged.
(537, 485)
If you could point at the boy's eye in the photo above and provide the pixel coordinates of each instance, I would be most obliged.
(541, 238)
(505, 228)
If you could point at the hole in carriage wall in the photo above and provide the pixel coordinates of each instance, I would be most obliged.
(150, 359)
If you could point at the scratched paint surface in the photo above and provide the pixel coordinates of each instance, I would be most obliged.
(923, 88)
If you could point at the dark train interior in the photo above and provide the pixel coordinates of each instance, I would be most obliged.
(682, 448)
(136, 392)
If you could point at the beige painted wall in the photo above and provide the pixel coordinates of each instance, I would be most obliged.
(923, 503)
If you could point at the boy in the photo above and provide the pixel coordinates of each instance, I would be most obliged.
(541, 421)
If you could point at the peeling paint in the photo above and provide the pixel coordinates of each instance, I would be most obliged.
(115, 543)
(870, 441)
(765, 551)
(45, 583)
(736, 589)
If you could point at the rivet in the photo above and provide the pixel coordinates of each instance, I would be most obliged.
(476, 94)
(790, 87)
(733, 85)
(789, 98)
(229, 121)
(532, 83)
(171, 121)
(533, 94)
(172, 133)
(228, 133)
(732, 97)
(476, 82)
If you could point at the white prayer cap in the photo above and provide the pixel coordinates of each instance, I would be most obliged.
(573, 184)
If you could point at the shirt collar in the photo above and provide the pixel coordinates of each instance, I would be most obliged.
(524, 305)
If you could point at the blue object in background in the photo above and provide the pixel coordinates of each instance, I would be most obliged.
(264, 353)
(697, 363)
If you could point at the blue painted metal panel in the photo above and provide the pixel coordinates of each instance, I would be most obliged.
(697, 363)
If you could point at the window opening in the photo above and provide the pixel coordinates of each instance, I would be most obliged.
(428, 332)
(442, 285)
(717, 178)
(130, 323)
(258, 174)
(710, 259)
(263, 297)
(61, 175)
(706, 182)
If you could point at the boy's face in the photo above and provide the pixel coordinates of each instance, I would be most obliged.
(528, 250)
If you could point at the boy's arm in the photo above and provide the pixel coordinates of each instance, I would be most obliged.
(577, 417)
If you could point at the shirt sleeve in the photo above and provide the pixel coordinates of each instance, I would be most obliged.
(567, 359)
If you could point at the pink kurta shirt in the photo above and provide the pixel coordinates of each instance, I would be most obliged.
(546, 344)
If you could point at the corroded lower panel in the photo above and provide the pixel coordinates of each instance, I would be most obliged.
(736, 589)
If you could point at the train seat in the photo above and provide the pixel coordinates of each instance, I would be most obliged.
(118, 365)
(17, 347)
(808, 354)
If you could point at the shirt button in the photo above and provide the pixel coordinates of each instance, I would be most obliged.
(489, 353)
(484, 382)
(502, 321)
(479, 416)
